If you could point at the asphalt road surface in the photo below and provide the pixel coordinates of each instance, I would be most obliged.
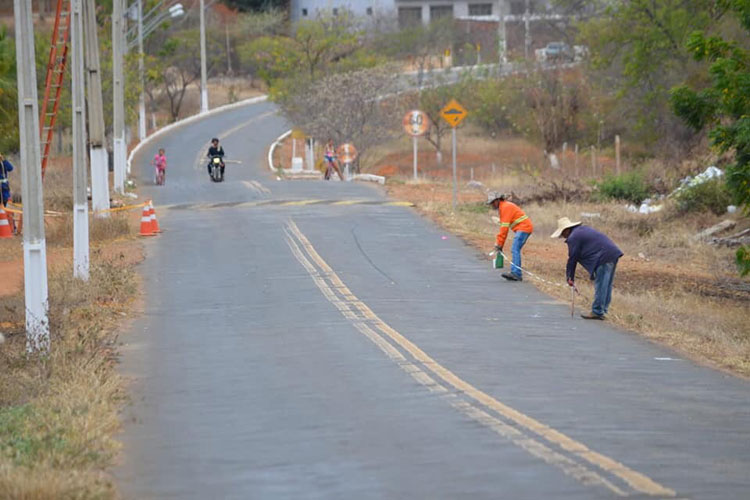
(307, 339)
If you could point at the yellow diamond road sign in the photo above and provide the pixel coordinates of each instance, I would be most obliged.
(453, 113)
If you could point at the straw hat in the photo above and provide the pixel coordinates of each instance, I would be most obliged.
(564, 223)
(495, 195)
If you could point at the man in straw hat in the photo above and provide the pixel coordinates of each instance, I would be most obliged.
(597, 254)
(511, 217)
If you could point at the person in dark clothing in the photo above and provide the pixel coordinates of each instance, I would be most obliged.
(216, 150)
(597, 254)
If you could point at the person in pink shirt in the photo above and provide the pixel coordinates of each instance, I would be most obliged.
(160, 166)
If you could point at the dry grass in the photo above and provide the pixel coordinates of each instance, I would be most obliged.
(58, 413)
(669, 288)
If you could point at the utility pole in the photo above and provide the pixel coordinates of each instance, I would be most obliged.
(118, 97)
(141, 77)
(80, 200)
(204, 88)
(527, 31)
(97, 153)
(34, 244)
(502, 42)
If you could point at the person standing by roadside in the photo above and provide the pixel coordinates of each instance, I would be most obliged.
(511, 217)
(597, 254)
(5, 167)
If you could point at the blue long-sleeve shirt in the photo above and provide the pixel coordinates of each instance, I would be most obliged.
(4, 183)
(591, 248)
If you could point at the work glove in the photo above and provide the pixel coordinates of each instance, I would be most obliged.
(571, 282)
(498, 248)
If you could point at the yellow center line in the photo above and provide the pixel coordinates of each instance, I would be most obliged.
(347, 202)
(637, 481)
(299, 202)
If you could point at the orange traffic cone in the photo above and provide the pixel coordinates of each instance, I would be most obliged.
(146, 226)
(154, 223)
(5, 231)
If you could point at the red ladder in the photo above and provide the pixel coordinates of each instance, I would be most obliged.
(58, 55)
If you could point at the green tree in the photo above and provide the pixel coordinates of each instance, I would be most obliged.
(639, 51)
(724, 105)
(8, 95)
(317, 48)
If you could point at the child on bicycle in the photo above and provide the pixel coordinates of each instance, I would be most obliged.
(330, 157)
(160, 166)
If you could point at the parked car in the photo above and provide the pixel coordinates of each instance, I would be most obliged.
(559, 52)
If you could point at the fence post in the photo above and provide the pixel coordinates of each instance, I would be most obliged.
(617, 154)
(593, 161)
(562, 158)
(575, 160)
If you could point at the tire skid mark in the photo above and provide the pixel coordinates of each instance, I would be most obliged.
(537, 439)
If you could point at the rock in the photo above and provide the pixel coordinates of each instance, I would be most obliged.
(715, 229)
(370, 178)
(731, 209)
(591, 215)
(475, 185)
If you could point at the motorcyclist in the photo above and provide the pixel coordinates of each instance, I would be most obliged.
(213, 151)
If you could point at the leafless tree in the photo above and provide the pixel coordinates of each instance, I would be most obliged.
(348, 107)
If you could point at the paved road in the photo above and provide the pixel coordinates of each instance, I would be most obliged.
(344, 350)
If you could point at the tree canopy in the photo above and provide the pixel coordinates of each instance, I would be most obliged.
(723, 106)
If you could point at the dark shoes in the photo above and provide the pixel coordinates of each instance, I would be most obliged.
(591, 316)
(511, 277)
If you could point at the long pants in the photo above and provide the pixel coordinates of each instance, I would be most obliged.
(519, 240)
(604, 278)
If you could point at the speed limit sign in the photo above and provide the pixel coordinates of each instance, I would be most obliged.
(416, 123)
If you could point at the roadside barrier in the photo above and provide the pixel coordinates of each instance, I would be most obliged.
(152, 215)
(147, 228)
(5, 231)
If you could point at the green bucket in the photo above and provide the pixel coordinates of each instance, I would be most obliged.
(498, 262)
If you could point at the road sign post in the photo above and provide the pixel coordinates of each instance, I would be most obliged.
(416, 123)
(454, 114)
(416, 151)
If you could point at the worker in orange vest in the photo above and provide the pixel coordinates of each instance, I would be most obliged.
(511, 217)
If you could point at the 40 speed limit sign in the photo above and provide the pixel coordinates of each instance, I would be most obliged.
(416, 123)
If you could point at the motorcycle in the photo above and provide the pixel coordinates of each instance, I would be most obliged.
(215, 169)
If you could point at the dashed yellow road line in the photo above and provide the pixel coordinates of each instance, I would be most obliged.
(367, 322)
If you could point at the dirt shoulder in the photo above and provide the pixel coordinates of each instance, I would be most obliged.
(669, 287)
(59, 413)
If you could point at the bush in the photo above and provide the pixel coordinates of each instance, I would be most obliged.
(712, 195)
(630, 186)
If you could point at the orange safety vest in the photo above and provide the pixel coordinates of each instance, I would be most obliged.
(512, 217)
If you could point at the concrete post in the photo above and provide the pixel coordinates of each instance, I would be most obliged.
(80, 199)
(141, 77)
(527, 32)
(34, 243)
(204, 87)
(502, 41)
(118, 97)
(97, 153)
